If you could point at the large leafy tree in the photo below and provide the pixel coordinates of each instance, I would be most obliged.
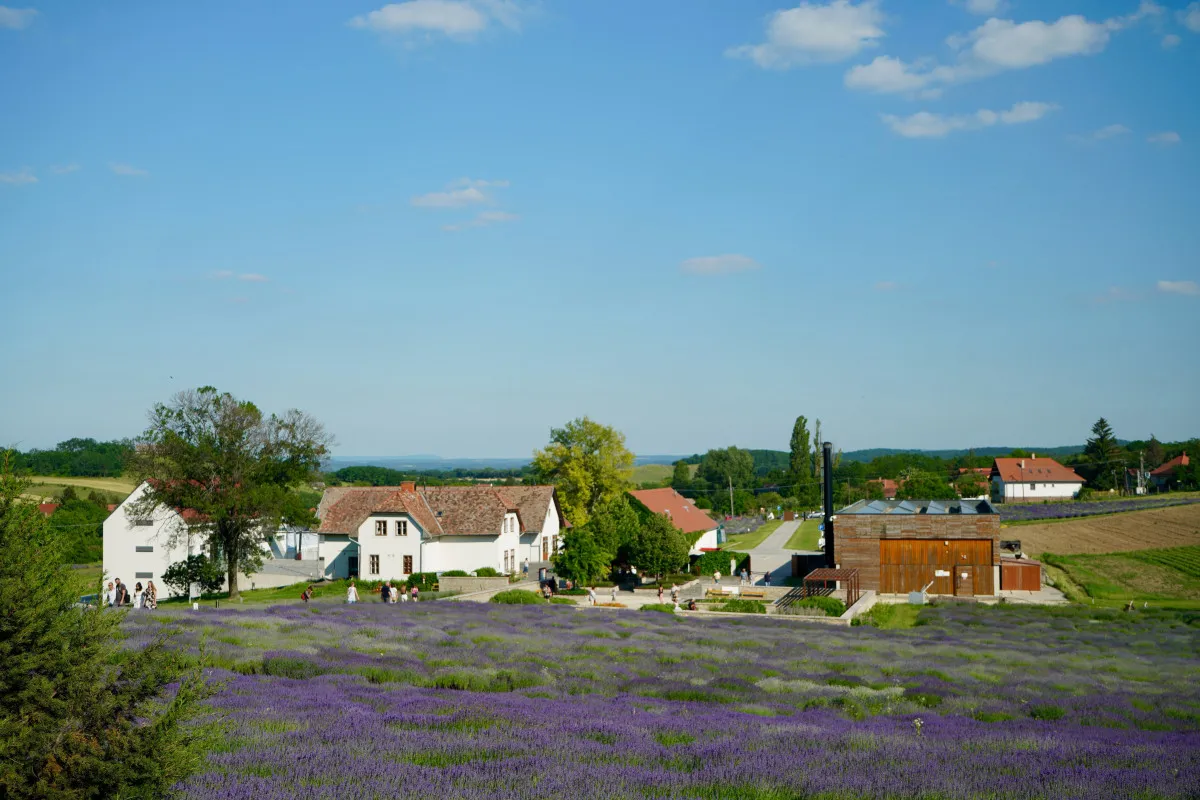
(1154, 453)
(925, 486)
(234, 466)
(681, 478)
(588, 463)
(659, 547)
(1104, 454)
(731, 465)
(581, 558)
(971, 484)
(615, 525)
(81, 717)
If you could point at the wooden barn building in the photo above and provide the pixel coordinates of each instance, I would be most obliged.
(901, 546)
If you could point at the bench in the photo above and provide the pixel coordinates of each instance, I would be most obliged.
(760, 594)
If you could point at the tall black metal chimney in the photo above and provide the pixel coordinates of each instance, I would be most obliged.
(827, 462)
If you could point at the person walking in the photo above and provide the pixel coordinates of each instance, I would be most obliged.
(525, 567)
(307, 593)
(674, 594)
(151, 595)
(660, 593)
(592, 594)
(385, 592)
(351, 592)
(138, 595)
(614, 594)
(110, 594)
(416, 593)
(121, 594)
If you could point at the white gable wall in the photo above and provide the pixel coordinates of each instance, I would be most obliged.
(140, 552)
(391, 548)
(707, 541)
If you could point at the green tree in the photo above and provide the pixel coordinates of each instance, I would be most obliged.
(198, 569)
(614, 525)
(1104, 454)
(659, 548)
(925, 486)
(731, 465)
(81, 717)
(234, 466)
(971, 484)
(588, 463)
(1154, 453)
(581, 558)
(80, 525)
(800, 461)
(682, 477)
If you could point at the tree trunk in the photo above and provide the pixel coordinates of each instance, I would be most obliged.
(230, 539)
(231, 573)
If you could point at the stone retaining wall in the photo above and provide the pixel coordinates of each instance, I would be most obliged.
(467, 585)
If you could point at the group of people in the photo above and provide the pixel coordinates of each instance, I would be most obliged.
(387, 593)
(674, 593)
(117, 595)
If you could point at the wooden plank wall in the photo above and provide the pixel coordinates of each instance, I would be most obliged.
(908, 565)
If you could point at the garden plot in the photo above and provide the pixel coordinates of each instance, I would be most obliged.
(1167, 527)
(454, 701)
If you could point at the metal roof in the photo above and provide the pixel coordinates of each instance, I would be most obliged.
(920, 507)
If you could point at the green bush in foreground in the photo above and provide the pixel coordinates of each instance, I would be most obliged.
(486, 572)
(666, 608)
(79, 718)
(455, 573)
(830, 605)
(742, 606)
(517, 597)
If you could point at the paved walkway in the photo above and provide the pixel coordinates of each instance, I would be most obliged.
(773, 556)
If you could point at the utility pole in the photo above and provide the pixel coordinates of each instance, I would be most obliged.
(731, 512)
(1142, 473)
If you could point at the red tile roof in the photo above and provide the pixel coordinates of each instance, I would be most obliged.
(890, 487)
(47, 508)
(682, 512)
(1033, 470)
(533, 502)
(980, 470)
(1170, 467)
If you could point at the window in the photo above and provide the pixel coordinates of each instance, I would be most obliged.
(1033, 487)
(143, 548)
(381, 527)
(141, 575)
(402, 527)
(553, 544)
(408, 565)
(143, 523)
(374, 565)
(506, 562)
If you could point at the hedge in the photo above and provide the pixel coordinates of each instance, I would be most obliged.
(517, 597)
(665, 608)
(742, 606)
(455, 573)
(718, 561)
(830, 605)
(486, 572)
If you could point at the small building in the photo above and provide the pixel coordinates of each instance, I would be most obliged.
(383, 532)
(889, 486)
(901, 546)
(1020, 574)
(1164, 476)
(1022, 480)
(694, 522)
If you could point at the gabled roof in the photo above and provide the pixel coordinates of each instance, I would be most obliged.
(905, 507)
(469, 510)
(532, 503)
(682, 512)
(890, 487)
(344, 508)
(1170, 467)
(1033, 470)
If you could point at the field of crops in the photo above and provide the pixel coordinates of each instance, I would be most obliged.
(1032, 512)
(445, 700)
(1182, 559)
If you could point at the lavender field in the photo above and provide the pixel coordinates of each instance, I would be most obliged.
(1032, 512)
(446, 700)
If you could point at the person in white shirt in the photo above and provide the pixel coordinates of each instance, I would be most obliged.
(592, 594)
(110, 594)
(351, 592)
(138, 595)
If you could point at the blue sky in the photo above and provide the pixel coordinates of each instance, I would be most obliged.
(444, 227)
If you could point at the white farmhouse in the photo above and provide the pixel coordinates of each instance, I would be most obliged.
(140, 548)
(697, 526)
(394, 531)
(1019, 480)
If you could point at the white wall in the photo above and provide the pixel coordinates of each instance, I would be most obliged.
(390, 548)
(467, 553)
(336, 551)
(707, 540)
(1020, 492)
(531, 544)
(122, 538)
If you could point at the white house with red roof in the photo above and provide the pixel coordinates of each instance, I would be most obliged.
(1165, 474)
(695, 522)
(383, 532)
(1019, 480)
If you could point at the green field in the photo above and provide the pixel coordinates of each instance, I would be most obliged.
(805, 537)
(49, 487)
(1168, 577)
(748, 541)
(658, 473)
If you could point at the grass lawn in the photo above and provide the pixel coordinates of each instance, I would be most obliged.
(748, 541)
(806, 536)
(51, 486)
(1168, 577)
(652, 473)
(325, 591)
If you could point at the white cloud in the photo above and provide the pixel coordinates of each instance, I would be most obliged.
(816, 32)
(253, 277)
(65, 169)
(926, 125)
(20, 178)
(1170, 41)
(16, 18)
(128, 170)
(982, 7)
(995, 46)
(459, 19)
(1165, 138)
(1180, 287)
(464, 192)
(483, 219)
(1190, 17)
(718, 265)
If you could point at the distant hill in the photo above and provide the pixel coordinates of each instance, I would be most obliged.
(877, 452)
(423, 463)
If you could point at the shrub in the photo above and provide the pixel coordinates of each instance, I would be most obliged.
(742, 606)
(1046, 712)
(486, 572)
(562, 601)
(718, 561)
(517, 597)
(194, 569)
(830, 605)
(455, 573)
(666, 608)
(576, 592)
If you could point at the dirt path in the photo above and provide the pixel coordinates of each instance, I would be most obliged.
(1133, 530)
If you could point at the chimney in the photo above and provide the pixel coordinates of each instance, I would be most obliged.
(408, 486)
(827, 462)
(1034, 455)
(1022, 464)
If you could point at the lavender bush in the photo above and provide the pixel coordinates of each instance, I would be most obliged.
(440, 700)
(1011, 512)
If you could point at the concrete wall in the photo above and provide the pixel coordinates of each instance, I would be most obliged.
(857, 536)
(465, 585)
